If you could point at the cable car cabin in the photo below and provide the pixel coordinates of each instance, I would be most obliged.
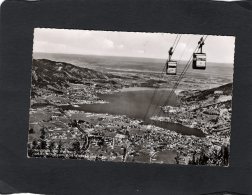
(171, 68)
(199, 61)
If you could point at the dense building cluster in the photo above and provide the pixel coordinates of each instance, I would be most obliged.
(111, 138)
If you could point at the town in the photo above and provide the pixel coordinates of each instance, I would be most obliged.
(56, 132)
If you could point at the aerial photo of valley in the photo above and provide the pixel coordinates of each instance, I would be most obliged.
(109, 96)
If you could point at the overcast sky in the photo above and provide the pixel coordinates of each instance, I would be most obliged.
(150, 45)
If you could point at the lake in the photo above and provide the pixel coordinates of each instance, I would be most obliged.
(134, 103)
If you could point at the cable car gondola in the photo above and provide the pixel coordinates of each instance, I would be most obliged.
(171, 66)
(199, 59)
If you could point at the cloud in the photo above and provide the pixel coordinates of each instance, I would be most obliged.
(108, 44)
(43, 46)
(121, 46)
(140, 51)
(133, 44)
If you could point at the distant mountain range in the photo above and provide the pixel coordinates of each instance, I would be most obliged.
(58, 75)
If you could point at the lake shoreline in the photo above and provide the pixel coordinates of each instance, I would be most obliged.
(99, 115)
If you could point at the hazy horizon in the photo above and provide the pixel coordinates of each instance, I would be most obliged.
(48, 53)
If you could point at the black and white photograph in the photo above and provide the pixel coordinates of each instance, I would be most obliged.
(133, 97)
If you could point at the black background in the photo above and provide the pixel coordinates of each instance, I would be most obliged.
(52, 176)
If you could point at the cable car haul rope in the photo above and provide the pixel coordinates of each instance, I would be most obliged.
(171, 51)
(198, 61)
